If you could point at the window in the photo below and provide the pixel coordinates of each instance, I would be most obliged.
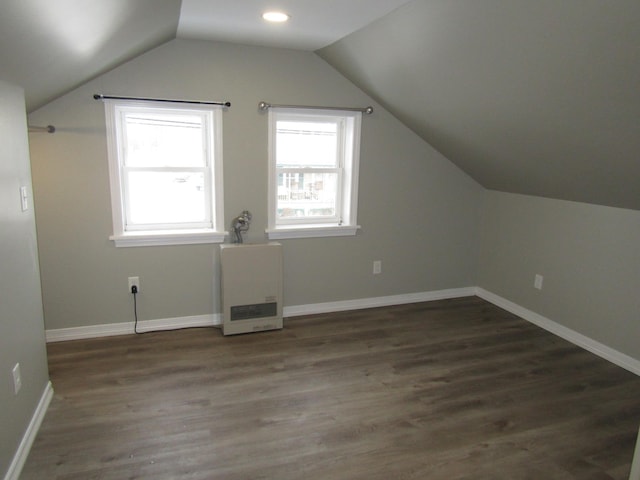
(166, 173)
(313, 160)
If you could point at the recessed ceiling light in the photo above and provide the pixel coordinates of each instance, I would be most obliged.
(275, 17)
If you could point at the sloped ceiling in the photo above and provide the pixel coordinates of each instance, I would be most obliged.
(49, 47)
(539, 97)
(536, 97)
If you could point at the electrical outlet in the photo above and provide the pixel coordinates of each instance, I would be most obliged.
(17, 379)
(537, 281)
(134, 281)
(377, 267)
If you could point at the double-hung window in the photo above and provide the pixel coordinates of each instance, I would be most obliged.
(313, 174)
(166, 173)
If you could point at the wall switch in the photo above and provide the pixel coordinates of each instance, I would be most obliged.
(537, 281)
(24, 198)
(17, 379)
(377, 267)
(134, 281)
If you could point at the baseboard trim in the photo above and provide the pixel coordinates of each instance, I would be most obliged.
(593, 346)
(19, 459)
(125, 328)
(358, 304)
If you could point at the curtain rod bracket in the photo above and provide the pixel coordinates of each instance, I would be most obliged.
(48, 129)
(266, 106)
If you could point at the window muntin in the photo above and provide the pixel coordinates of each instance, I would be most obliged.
(314, 159)
(165, 168)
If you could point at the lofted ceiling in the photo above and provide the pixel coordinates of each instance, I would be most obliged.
(539, 97)
(51, 47)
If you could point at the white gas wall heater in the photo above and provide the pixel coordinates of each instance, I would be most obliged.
(251, 280)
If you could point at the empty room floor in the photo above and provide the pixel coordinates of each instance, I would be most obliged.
(451, 389)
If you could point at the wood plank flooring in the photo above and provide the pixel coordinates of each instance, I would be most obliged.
(452, 389)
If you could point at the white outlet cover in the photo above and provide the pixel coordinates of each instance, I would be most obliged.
(134, 281)
(17, 379)
(537, 282)
(377, 267)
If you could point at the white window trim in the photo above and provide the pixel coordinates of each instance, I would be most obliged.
(139, 238)
(167, 237)
(312, 231)
(349, 202)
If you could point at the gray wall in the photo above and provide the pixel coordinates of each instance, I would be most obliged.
(589, 257)
(21, 322)
(419, 213)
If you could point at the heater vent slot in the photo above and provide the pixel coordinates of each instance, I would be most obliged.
(258, 310)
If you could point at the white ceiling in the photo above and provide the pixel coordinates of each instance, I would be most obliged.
(313, 24)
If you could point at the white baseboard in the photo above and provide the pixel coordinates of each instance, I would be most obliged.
(13, 473)
(361, 303)
(608, 353)
(593, 346)
(125, 328)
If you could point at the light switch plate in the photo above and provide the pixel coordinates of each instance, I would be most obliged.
(24, 198)
(17, 378)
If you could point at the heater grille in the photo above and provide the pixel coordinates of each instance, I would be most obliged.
(258, 310)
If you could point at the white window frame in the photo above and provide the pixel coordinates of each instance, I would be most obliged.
(344, 223)
(168, 234)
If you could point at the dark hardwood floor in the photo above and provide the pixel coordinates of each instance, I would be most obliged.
(453, 389)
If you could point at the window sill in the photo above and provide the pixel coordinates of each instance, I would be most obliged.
(167, 237)
(312, 231)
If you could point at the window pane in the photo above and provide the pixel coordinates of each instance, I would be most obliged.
(166, 197)
(306, 144)
(307, 195)
(164, 140)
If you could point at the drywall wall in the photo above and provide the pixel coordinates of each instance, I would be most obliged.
(589, 257)
(21, 321)
(419, 213)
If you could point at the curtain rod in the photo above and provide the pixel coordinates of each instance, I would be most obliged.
(111, 97)
(48, 129)
(266, 106)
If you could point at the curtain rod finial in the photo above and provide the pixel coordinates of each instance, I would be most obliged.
(263, 106)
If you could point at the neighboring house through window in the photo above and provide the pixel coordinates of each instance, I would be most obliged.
(165, 164)
(313, 172)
